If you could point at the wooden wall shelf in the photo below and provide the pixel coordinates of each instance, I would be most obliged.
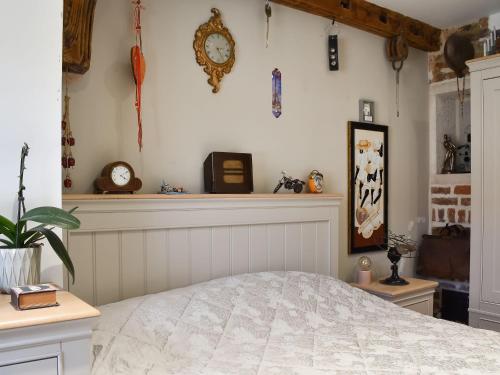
(97, 197)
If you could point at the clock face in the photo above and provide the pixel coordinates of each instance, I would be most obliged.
(318, 182)
(217, 48)
(120, 175)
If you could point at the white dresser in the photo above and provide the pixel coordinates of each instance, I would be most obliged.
(50, 341)
(484, 305)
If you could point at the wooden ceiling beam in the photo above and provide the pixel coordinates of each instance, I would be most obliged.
(77, 35)
(372, 18)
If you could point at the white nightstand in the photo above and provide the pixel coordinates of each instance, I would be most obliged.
(49, 341)
(417, 296)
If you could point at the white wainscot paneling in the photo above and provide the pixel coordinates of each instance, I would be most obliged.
(127, 248)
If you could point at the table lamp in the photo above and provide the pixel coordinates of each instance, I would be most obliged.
(364, 270)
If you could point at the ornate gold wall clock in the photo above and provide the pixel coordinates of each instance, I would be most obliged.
(214, 49)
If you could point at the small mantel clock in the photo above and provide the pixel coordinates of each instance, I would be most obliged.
(117, 178)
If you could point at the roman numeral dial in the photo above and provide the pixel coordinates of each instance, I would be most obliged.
(217, 48)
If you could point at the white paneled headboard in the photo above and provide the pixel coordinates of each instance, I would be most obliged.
(133, 245)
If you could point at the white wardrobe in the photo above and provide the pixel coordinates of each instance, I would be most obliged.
(484, 305)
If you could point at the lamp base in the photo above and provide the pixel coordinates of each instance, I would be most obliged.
(394, 281)
(394, 256)
(364, 277)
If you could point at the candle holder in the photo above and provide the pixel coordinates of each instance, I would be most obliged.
(394, 256)
(399, 246)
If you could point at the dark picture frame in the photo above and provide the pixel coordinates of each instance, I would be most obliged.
(368, 186)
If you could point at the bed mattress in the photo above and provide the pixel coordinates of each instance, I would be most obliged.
(282, 323)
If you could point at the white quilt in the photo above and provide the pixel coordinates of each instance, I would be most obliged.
(282, 323)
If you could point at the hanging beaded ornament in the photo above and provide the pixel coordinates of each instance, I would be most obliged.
(276, 93)
(67, 140)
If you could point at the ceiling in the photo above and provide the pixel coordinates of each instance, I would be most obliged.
(442, 13)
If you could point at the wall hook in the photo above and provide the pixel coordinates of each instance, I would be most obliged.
(333, 50)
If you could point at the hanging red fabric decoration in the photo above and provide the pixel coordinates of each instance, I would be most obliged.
(138, 66)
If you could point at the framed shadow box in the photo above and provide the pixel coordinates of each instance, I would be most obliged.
(368, 188)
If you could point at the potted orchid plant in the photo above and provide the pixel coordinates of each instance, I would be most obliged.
(20, 244)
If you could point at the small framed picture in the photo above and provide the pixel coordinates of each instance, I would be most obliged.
(366, 111)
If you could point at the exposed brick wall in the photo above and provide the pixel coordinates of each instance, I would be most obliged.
(450, 204)
(476, 31)
(462, 189)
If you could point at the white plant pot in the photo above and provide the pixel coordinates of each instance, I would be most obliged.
(19, 267)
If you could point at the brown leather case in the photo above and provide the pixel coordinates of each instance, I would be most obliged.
(446, 255)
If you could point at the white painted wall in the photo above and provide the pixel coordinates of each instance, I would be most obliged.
(30, 106)
(494, 21)
(184, 121)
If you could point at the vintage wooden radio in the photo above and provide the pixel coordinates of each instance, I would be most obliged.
(228, 173)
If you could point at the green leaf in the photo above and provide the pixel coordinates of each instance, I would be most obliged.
(59, 248)
(7, 228)
(7, 223)
(8, 244)
(52, 216)
(30, 237)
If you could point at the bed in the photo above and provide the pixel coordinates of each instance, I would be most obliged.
(282, 323)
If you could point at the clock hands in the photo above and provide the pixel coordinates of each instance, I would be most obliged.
(220, 53)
